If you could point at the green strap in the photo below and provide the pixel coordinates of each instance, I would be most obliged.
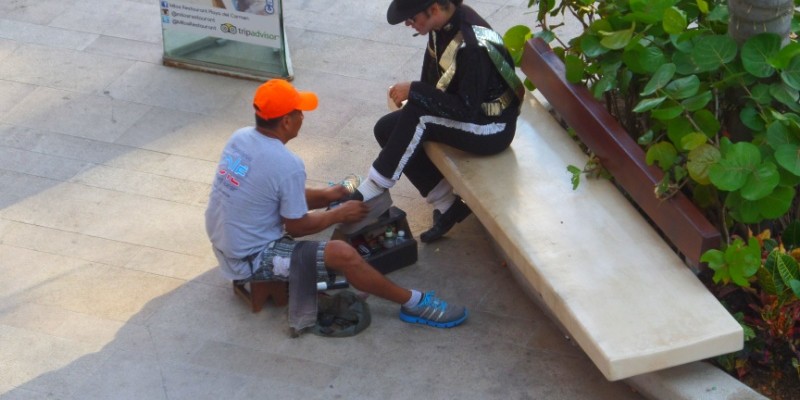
(493, 42)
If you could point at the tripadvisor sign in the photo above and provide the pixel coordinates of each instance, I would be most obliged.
(262, 30)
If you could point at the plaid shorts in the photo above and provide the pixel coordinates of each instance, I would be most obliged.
(276, 259)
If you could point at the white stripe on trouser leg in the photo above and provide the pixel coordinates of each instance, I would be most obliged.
(475, 129)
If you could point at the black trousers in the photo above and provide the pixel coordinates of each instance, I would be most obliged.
(402, 133)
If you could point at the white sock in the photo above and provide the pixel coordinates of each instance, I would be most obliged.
(370, 189)
(374, 185)
(416, 296)
(441, 196)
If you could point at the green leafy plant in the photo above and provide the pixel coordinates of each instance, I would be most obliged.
(760, 283)
(721, 121)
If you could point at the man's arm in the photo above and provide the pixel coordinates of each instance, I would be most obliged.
(350, 211)
(319, 198)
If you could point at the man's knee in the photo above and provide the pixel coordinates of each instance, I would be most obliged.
(384, 127)
(339, 255)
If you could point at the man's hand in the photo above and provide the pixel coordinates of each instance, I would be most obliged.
(399, 93)
(321, 198)
(314, 222)
(352, 211)
(336, 193)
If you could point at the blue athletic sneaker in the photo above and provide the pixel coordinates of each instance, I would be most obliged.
(434, 311)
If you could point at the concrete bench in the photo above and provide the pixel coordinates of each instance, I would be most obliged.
(680, 221)
(589, 256)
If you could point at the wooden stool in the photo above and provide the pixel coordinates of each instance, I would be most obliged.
(260, 291)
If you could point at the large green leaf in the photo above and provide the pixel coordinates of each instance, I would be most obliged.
(575, 67)
(776, 204)
(767, 280)
(771, 278)
(663, 153)
(674, 21)
(778, 134)
(719, 14)
(751, 119)
(757, 51)
(742, 210)
(716, 262)
(707, 122)
(677, 129)
(546, 35)
(702, 5)
(795, 284)
(788, 270)
(743, 261)
(604, 84)
(791, 74)
(711, 52)
(649, 11)
(660, 78)
(785, 55)
(590, 45)
(790, 237)
(683, 42)
(684, 63)
(514, 39)
(788, 156)
(760, 94)
(693, 140)
(786, 95)
(683, 87)
(643, 60)
(736, 165)
(600, 25)
(617, 39)
(652, 58)
(544, 7)
(761, 182)
(700, 160)
(648, 104)
(697, 102)
(667, 111)
(788, 178)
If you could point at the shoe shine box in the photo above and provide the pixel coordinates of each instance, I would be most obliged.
(379, 243)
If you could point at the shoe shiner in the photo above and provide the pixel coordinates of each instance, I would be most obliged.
(468, 97)
(259, 196)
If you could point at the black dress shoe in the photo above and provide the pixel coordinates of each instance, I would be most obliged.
(443, 222)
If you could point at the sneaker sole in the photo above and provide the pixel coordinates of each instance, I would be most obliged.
(424, 321)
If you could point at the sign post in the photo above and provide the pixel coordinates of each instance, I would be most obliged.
(241, 38)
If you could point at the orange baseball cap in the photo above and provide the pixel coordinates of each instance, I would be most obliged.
(277, 97)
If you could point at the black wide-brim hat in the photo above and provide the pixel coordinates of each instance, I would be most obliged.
(401, 10)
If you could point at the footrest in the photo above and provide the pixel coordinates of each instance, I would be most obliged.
(259, 291)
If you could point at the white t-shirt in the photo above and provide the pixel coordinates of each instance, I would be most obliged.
(258, 181)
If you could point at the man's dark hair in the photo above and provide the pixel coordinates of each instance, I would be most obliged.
(444, 3)
(271, 123)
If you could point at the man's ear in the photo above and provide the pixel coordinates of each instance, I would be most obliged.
(432, 10)
(285, 121)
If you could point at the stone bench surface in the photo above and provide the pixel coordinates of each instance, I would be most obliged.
(604, 273)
